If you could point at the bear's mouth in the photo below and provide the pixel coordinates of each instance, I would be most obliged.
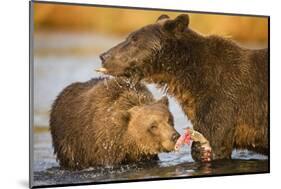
(132, 73)
(165, 150)
(107, 71)
(102, 70)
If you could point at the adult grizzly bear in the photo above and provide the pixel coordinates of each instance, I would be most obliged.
(222, 87)
(108, 122)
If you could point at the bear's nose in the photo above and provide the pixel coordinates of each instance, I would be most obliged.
(175, 136)
(104, 56)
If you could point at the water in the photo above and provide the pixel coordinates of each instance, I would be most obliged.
(174, 164)
(61, 59)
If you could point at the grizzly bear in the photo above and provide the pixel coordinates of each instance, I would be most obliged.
(221, 87)
(106, 122)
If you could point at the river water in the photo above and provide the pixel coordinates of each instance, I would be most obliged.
(63, 58)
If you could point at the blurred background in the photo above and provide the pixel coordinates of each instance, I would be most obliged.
(119, 22)
(68, 40)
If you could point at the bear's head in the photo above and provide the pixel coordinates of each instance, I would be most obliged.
(136, 55)
(151, 127)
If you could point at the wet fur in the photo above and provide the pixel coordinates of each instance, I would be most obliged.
(89, 121)
(222, 87)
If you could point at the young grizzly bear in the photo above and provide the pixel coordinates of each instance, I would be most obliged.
(222, 87)
(107, 122)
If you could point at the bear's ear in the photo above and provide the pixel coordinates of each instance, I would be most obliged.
(164, 100)
(179, 24)
(163, 16)
(133, 110)
(124, 118)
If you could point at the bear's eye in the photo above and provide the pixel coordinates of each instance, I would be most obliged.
(153, 126)
(134, 38)
(171, 122)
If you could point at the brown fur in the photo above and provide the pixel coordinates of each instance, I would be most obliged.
(222, 87)
(108, 122)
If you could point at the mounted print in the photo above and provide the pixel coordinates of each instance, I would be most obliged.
(122, 94)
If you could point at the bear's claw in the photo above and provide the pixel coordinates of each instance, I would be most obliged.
(201, 152)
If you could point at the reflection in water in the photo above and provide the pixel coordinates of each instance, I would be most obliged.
(174, 164)
(60, 60)
(150, 170)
